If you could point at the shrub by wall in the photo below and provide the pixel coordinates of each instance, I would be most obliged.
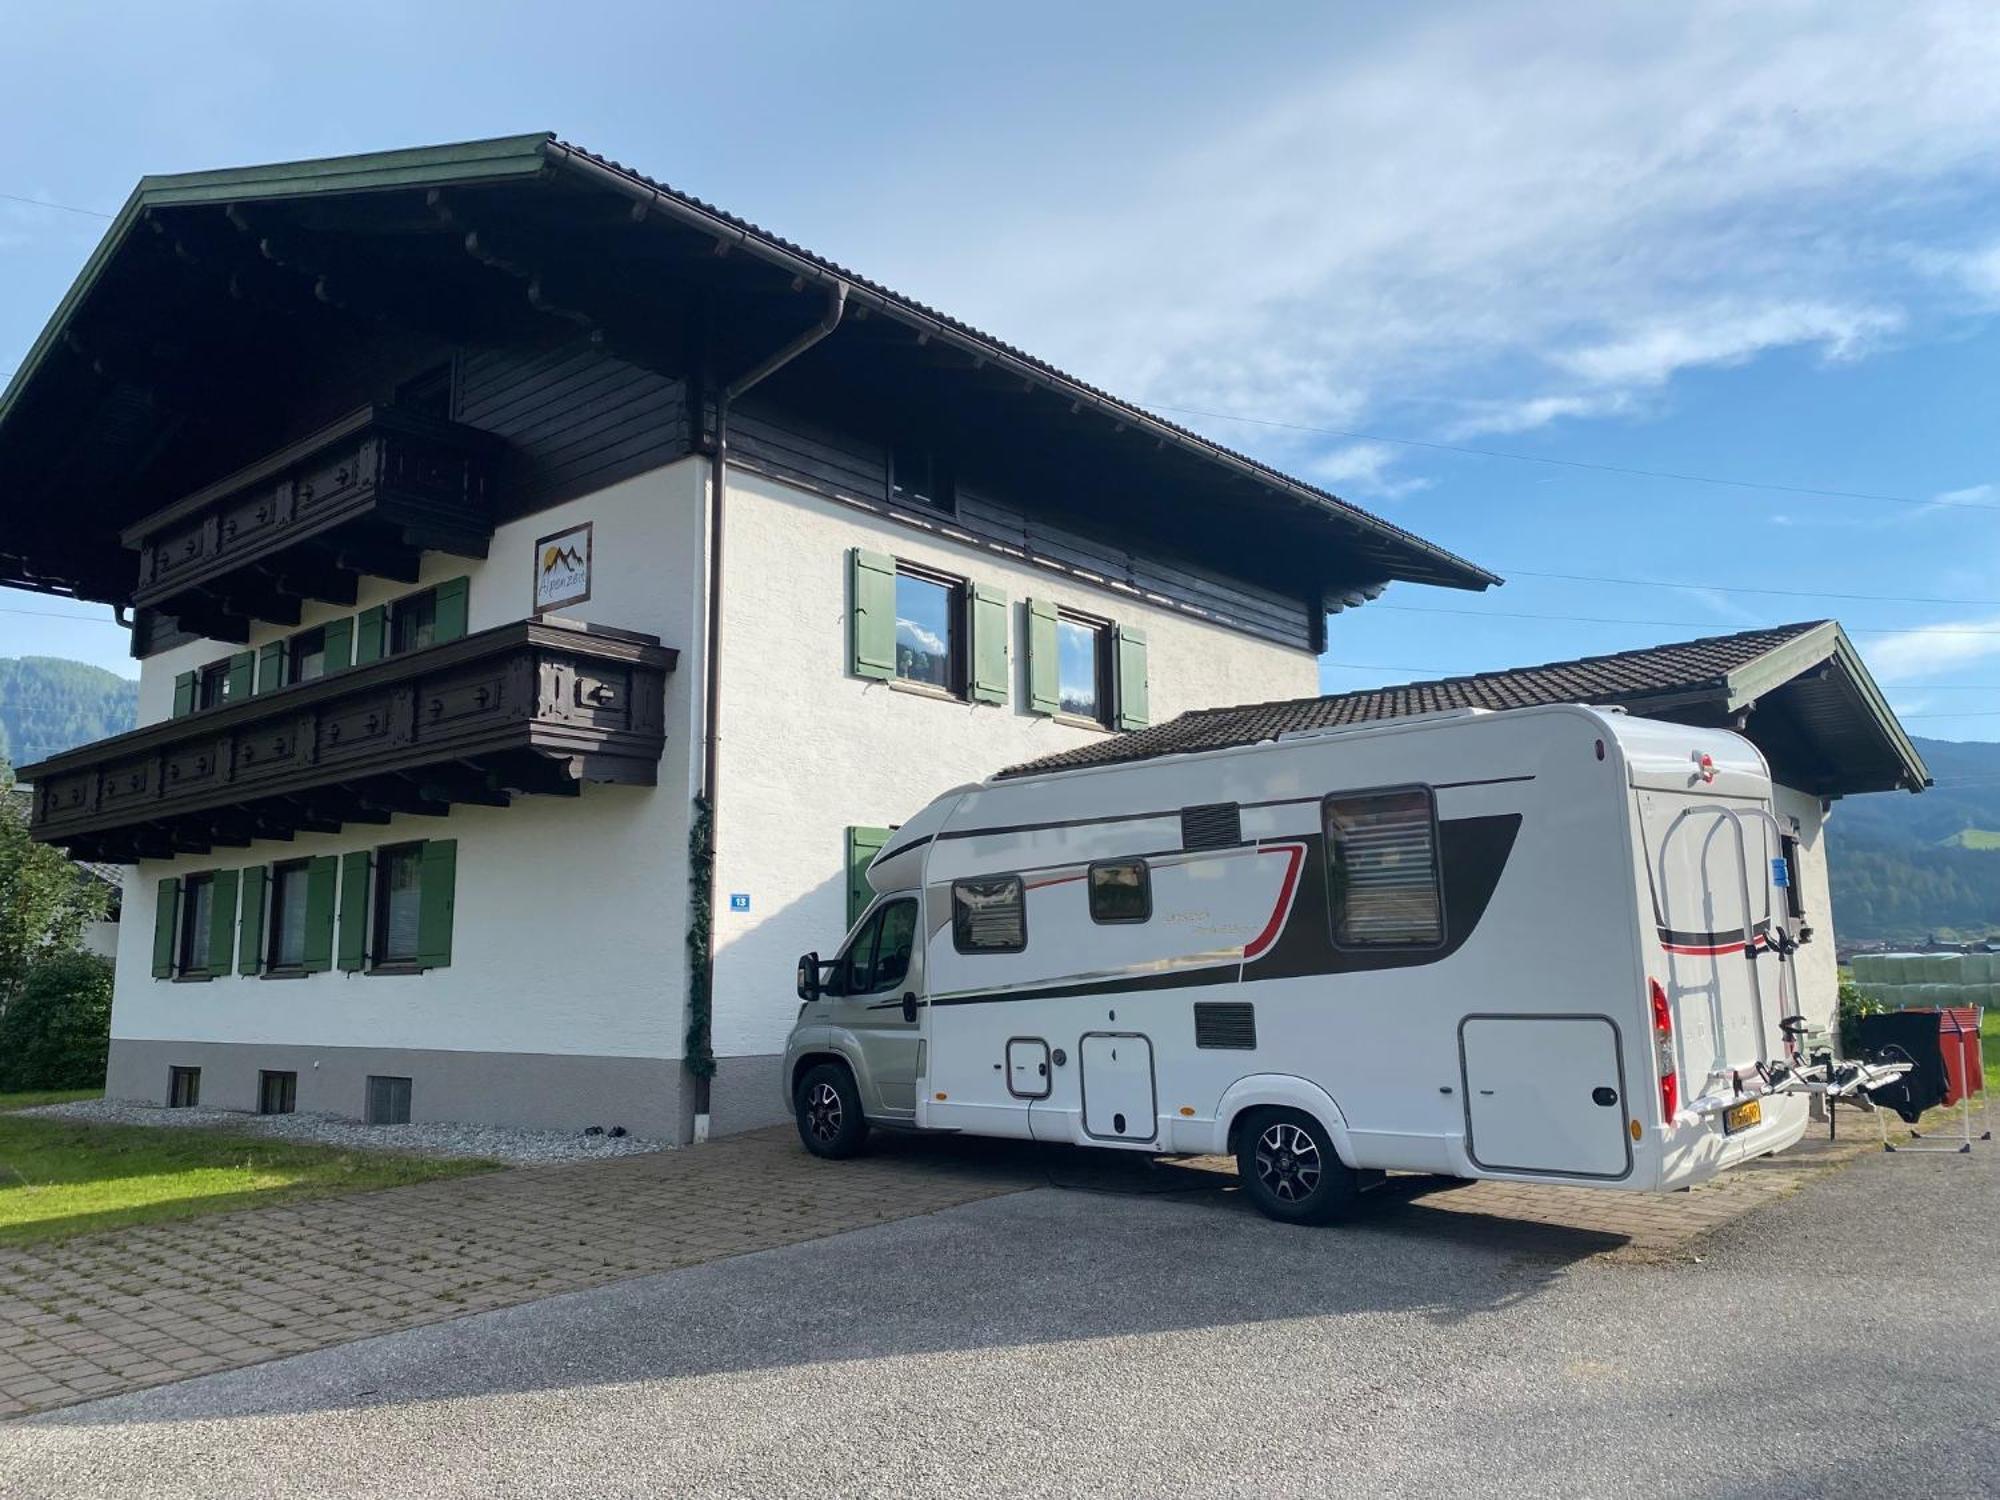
(57, 1032)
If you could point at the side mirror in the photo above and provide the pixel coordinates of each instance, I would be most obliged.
(809, 977)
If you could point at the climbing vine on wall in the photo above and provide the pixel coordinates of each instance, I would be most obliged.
(701, 863)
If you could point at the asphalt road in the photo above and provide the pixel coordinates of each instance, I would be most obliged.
(1840, 1342)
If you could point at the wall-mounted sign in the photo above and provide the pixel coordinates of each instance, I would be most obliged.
(739, 901)
(562, 569)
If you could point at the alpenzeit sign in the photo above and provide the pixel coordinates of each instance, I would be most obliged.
(562, 568)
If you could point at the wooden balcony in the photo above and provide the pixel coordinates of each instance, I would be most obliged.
(523, 708)
(367, 494)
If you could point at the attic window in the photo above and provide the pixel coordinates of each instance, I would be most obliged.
(916, 478)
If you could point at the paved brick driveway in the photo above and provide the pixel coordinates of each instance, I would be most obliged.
(135, 1307)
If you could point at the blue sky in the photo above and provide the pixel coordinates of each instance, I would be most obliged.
(1747, 242)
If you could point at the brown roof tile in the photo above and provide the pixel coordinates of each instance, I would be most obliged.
(1624, 677)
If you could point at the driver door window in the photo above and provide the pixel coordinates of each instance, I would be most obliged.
(856, 971)
(879, 957)
(897, 935)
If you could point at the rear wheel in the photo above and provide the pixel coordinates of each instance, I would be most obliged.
(1286, 1161)
(828, 1106)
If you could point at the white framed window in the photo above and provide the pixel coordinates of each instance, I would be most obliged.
(989, 915)
(1121, 890)
(1381, 850)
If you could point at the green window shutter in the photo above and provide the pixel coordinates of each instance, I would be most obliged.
(183, 695)
(371, 627)
(340, 643)
(250, 936)
(989, 644)
(242, 673)
(1132, 700)
(1044, 669)
(863, 844)
(321, 875)
(222, 923)
(437, 899)
(354, 910)
(872, 619)
(271, 667)
(166, 927)
(453, 596)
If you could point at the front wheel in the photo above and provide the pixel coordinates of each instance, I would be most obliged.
(1288, 1167)
(828, 1106)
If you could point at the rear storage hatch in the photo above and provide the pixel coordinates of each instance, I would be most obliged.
(1545, 1094)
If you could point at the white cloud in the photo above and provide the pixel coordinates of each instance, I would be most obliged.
(1519, 222)
(1933, 649)
(1360, 469)
(910, 633)
(1525, 415)
(1972, 494)
(1977, 269)
(1654, 353)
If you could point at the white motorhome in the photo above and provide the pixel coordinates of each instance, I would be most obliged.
(1538, 944)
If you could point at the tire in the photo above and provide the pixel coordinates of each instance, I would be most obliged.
(827, 1106)
(1289, 1169)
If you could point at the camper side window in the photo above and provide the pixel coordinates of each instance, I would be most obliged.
(1121, 890)
(989, 916)
(1383, 869)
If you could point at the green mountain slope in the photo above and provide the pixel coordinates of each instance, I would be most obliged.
(49, 704)
(1904, 867)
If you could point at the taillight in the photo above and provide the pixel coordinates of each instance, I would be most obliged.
(1663, 1053)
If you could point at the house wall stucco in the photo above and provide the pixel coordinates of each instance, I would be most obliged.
(1814, 967)
(569, 911)
(809, 750)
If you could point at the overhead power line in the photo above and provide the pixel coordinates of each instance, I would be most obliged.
(1578, 463)
(1508, 614)
(1386, 666)
(68, 208)
(1744, 588)
(57, 614)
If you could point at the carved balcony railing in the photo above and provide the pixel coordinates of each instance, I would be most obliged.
(364, 495)
(527, 707)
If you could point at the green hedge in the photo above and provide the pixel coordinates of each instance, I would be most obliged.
(57, 1032)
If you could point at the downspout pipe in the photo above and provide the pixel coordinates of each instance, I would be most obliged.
(711, 739)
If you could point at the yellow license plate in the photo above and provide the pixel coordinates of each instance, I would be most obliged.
(1743, 1116)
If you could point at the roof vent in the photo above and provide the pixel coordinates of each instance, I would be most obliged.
(1214, 825)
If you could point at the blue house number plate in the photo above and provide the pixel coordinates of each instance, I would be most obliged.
(739, 901)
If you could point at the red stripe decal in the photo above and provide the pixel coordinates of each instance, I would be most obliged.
(1269, 935)
(1692, 951)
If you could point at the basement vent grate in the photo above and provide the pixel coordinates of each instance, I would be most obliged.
(1217, 825)
(1226, 1024)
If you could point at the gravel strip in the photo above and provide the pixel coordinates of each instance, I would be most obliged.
(439, 1138)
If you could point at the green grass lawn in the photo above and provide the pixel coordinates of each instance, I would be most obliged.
(64, 1177)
